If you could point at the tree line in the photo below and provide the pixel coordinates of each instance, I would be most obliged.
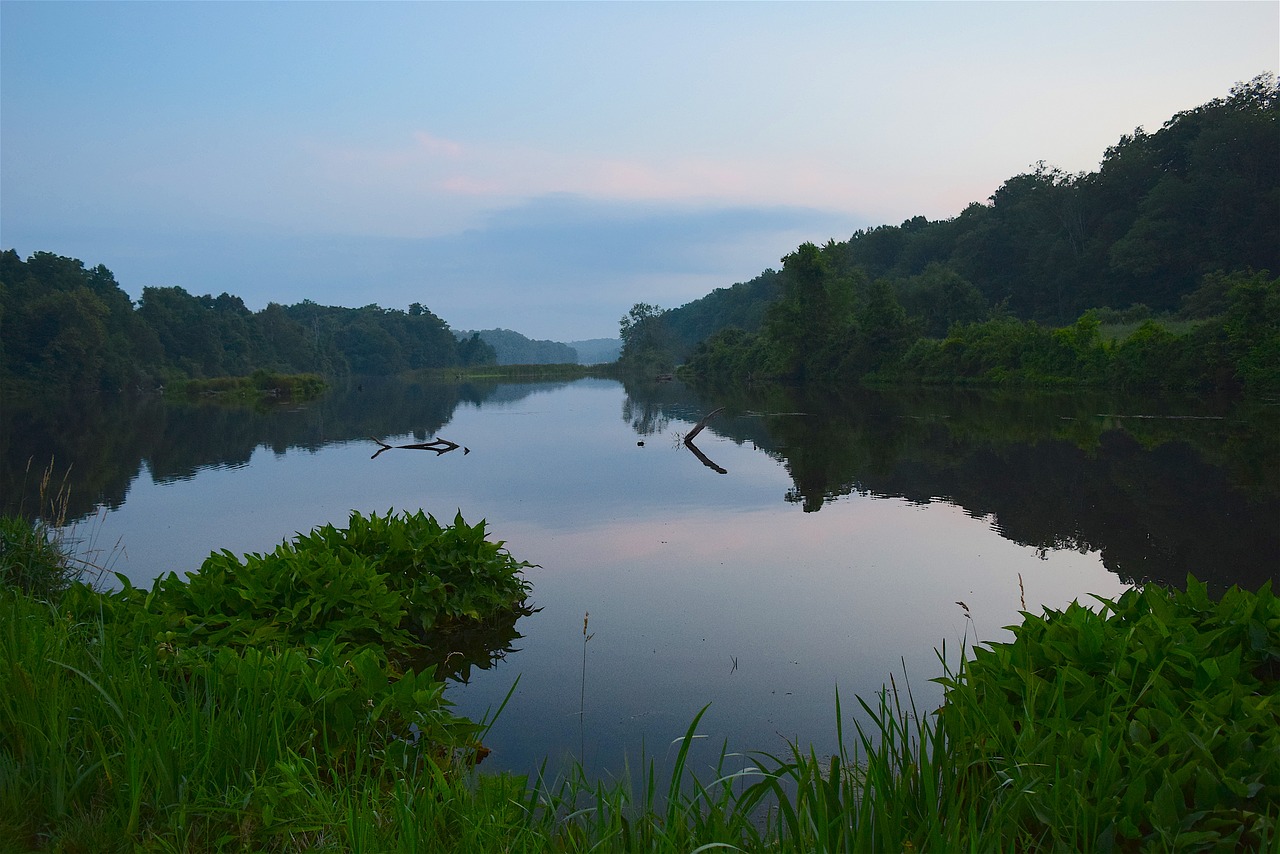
(67, 327)
(1168, 242)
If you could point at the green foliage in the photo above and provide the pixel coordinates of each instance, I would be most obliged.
(1154, 722)
(826, 324)
(940, 297)
(741, 306)
(446, 574)
(108, 745)
(1163, 210)
(259, 385)
(1003, 288)
(383, 581)
(67, 328)
(237, 707)
(1153, 725)
(647, 344)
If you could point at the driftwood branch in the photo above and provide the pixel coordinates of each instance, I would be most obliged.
(697, 428)
(702, 422)
(440, 446)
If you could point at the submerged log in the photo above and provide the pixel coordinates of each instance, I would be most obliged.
(702, 422)
(697, 428)
(440, 446)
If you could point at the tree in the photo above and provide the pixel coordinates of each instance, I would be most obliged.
(647, 345)
(476, 351)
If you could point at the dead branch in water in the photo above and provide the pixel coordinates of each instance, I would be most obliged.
(697, 428)
(702, 422)
(440, 446)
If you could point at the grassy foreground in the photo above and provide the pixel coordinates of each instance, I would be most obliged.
(255, 707)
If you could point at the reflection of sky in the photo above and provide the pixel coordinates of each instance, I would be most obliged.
(684, 571)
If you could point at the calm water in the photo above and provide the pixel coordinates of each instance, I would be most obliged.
(822, 545)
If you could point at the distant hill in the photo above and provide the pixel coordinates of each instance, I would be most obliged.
(515, 349)
(597, 351)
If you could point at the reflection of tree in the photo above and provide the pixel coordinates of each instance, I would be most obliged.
(1158, 497)
(648, 406)
(100, 443)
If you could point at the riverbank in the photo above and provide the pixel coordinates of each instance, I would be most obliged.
(257, 386)
(134, 721)
(522, 373)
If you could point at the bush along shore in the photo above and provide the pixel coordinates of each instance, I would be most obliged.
(272, 703)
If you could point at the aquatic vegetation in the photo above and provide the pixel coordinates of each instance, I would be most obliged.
(384, 580)
(258, 385)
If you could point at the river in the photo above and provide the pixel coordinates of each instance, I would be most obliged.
(816, 542)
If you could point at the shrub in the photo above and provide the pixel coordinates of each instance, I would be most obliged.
(384, 580)
(1154, 723)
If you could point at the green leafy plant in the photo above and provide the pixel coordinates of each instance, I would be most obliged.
(385, 580)
(1154, 721)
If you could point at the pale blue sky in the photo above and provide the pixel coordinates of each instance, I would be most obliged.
(542, 166)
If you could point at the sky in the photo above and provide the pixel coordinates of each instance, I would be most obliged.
(542, 166)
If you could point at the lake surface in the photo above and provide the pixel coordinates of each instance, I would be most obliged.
(820, 543)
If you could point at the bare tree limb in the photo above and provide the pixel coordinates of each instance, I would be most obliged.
(702, 422)
(697, 428)
(440, 446)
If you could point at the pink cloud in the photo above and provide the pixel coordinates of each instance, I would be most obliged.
(431, 144)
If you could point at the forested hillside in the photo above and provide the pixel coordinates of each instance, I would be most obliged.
(512, 348)
(1170, 223)
(597, 351)
(65, 327)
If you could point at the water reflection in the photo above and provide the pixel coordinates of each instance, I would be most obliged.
(1159, 489)
(99, 445)
(477, 645)
(1161, 493)
(830, 554)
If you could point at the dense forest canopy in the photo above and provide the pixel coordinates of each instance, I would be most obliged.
(1170, 223)
(65, 327)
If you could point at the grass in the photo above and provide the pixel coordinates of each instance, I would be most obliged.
(38, 552)
(261, 385)
(474, 373)
(1150, 723)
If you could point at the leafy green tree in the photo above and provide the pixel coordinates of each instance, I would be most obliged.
(474, 350)
(939, 297)
(742, 306)
(647, 345)
(809, 328)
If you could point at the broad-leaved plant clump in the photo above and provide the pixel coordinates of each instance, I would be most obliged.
(385, 580)
(1151, 723)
